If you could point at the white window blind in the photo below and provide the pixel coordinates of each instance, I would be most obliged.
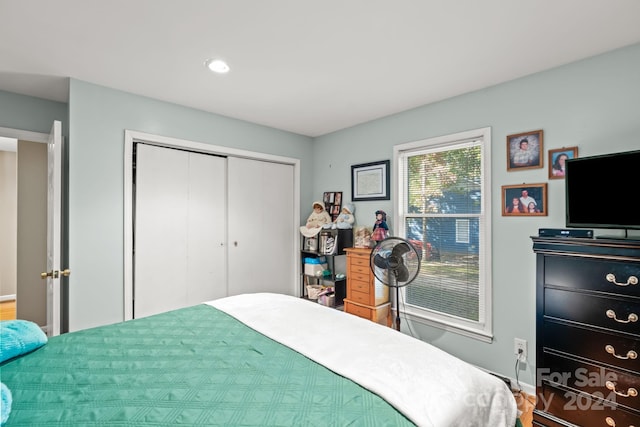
(443, 205)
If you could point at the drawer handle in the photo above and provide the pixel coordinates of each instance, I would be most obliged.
(632, 280)
(631, 318)
(630, 354)
(611, 422)
(631, 392)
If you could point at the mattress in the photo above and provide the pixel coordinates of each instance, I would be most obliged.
(222, 363)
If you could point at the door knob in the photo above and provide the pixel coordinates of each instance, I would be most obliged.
(55, 273)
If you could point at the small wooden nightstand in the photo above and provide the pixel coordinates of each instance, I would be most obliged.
(365, 298)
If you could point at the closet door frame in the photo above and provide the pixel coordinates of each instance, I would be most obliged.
(133, 137)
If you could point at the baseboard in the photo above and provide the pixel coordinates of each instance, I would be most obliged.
(4, 298)
(512, 383)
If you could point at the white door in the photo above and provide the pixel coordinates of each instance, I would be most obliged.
(54, 230)
(179, 221)
(261, 233)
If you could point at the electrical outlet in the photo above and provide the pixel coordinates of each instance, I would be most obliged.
(520, 349)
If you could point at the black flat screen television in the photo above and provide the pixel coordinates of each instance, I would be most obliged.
(602, 191)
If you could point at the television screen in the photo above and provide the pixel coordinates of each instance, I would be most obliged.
(602, 191)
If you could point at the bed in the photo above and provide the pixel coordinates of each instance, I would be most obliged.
(249, 360)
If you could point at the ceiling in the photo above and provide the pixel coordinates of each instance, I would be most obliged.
(309, 67)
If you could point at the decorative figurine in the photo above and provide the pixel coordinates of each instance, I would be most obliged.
(380, 228)
(318, 219)
(362, 237)
(346, 219)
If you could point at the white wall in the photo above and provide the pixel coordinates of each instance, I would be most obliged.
(592, 104)
(98, 118)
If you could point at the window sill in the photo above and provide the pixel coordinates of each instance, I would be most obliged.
(457, 329)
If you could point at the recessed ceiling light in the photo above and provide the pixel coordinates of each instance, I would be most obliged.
(217, 66)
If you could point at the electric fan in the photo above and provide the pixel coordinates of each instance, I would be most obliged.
(395, 262)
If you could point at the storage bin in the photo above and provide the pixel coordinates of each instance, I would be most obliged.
(314, 269)
(328, 300)
(313, 291)
(315, 266)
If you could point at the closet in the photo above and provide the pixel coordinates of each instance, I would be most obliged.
(206, 226)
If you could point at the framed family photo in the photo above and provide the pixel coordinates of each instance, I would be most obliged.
(524, 150)
(557, 158)
(370, 181)
(524, 200)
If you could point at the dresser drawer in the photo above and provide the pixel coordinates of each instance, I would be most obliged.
(358, 310)
(360, 269)
(380, 314)
(360, 297)
(615, 386)
(359, 285)
(583, 410)
(361, 260)
(602, 347)
(363, 277)
(619, 314)
(591, 274)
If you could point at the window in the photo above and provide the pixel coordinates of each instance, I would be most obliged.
(462, 231)
(443, 205)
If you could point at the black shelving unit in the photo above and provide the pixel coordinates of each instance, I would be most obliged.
(344, 240)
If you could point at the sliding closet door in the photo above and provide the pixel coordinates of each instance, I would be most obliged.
(179, 229)
(261, 227)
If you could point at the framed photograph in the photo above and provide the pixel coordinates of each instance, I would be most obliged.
(332, 203)
(524, 200)
(370, 181)
(524, 150)
(557, 158)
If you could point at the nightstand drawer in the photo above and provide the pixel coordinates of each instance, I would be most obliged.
(614, 349)
(593, 274)
(619, 314)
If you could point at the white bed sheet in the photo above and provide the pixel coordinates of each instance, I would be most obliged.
(426, 384)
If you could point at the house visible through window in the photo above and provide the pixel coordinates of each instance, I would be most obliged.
(444, 211)
(462, 231)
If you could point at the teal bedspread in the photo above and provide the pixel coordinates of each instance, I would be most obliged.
(193, 366)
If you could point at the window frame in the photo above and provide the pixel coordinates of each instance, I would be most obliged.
(483, 328)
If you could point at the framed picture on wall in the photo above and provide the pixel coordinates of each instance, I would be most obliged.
(524, 150)
(557, 158)
(332, 203)
(524, 200)
(370, 181)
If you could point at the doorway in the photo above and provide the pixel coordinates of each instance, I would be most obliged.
(24, 222)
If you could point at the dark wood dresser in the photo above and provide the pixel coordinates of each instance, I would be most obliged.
(587, 332)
